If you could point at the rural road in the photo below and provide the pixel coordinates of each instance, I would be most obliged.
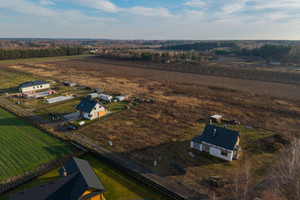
(180, 189)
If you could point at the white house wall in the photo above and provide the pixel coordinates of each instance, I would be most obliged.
(217, 152)
(94, 113)
(196, 145)
(33, 88)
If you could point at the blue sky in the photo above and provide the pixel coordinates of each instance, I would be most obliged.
(151, 19)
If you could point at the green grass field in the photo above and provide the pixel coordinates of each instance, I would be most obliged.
(24, 147)
(118, 185)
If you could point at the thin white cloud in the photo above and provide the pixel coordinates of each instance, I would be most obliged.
(150, 12)
(45, 2)
(26, 7)
(195, 3)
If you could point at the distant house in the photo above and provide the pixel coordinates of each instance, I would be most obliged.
(216, 118)
(33, 85)
(217, 141)
(126, 95)
(91, 109)
(78, 181)
(105, 97)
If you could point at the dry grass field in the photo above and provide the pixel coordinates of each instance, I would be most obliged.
(183, 103)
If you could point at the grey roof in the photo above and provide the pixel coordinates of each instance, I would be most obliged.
(87, 105)
(32, 83)
(90, 178)
(80, 177)
(225, 138)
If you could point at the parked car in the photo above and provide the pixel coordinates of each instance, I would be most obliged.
(71, 127)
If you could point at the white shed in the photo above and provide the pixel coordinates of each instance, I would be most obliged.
(120, 98)
(105, 97)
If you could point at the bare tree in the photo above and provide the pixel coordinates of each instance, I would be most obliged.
(286, 172)
(241, 179)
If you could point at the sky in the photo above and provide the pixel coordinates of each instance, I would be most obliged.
(151, 19)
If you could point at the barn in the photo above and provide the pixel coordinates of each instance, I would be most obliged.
(219, 142)
(91, 109)
(33, 86)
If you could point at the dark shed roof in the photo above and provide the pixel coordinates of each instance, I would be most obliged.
(87, 105)
(223, 137)
(80, 177)
(32, 83)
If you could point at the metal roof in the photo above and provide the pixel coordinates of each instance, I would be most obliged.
(87, 105)
(216, 116)
(32, 83)
(218, 136)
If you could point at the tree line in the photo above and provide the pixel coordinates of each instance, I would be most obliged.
(149, 56)
(203, 46)
(36, 53)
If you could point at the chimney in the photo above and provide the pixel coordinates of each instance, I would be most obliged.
(225, 125)
(64, 172)
(215, 132)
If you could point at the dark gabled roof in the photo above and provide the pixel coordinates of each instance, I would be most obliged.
(80, 177)
(90, 179)
(223, 137)
(49, 190)
(87, 105)
(32, 83)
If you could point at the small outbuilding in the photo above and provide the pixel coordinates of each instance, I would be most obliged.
(216, 118)
(93, 95)
(219, 142)
(105, 97)
(126, 95)
(91, 109)
(120, 98)
(33, 86)
(99, 90)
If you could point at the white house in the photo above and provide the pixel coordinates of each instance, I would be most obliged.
(105, 97)
(91, 109)
(217, 141)
(33, 85)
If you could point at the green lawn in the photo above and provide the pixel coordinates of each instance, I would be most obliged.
(24, 147)
(118, 185)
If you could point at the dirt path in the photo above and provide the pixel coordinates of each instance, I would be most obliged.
(164, 181)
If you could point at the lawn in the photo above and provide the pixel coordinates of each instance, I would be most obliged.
(118, 185)
(24, 147)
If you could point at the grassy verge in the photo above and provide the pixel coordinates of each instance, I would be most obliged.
(118, 185)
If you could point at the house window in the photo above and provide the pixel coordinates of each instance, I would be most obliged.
(99, 106)
(95, 108)
(90, 115)
(224, 153)
(37, 86)
(41, 86)
(33, 87)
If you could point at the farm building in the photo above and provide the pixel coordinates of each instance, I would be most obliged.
(105, 97)
(126, 95)
(33, 86)
(77, 181)
(217, 141)
(216, 118)
(91, 109)
(120, 98)
(93, 95)
(69, 83)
